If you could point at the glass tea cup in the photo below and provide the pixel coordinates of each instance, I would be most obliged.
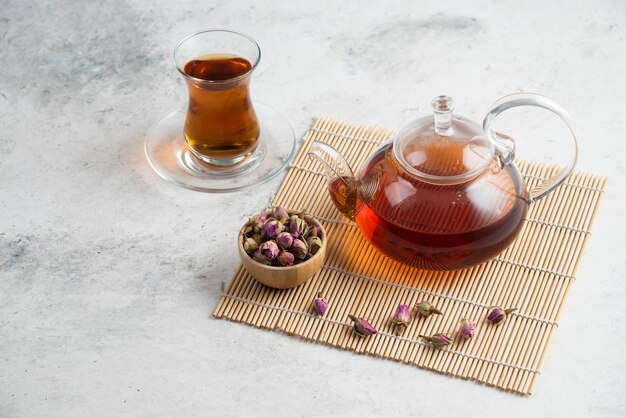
(221, 125)
(220, 140)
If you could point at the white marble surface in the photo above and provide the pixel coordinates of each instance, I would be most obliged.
(109, 275)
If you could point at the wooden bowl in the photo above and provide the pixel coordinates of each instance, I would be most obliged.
(289, 276)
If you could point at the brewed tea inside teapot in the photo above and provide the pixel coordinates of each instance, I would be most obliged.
(445, 193)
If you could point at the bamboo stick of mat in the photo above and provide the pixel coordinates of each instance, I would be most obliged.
(534, 274)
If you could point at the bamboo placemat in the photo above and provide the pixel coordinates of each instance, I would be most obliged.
(534, 274)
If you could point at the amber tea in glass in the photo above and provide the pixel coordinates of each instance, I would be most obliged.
(221, 123)
(221, 126)
(427, 229)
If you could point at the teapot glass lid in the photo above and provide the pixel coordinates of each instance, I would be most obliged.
(444, 149)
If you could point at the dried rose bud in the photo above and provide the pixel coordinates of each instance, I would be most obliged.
(250, 245)
(425, 309)
(260, 258)
(402, 317)
(314, 244)
(284, 240)
(269, 249)
(497, 314)
(467, 329)
(280, 214)
(285, 259)
(314, 231)
(257, 238)
(362, 326)
(249, 226)
(272, 227)
(299, 248)
(320, 304)
(255, 223)
(264, 216)
(438, 340)
(297, 226)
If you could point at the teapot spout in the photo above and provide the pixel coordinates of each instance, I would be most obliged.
(342, 184)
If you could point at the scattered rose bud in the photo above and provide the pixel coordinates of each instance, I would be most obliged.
(250, 245)
(297, 226)
(402, 317)
(280, 214)
(272, 227)
(497, 314)
(425, 309)
(362, 326)
(260, 258)
(438, 340)
(467, 329)
(299, 248)
(285, 258)
(320, 304)
(284, 240)
(269, 249)
(314, 244)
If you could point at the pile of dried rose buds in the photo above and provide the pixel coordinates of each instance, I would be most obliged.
(275, 238)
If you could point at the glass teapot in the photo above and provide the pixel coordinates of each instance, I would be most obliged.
(443, 194)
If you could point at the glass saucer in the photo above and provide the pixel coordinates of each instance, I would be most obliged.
(168, 155)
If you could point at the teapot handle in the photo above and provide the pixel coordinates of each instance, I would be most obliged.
(531, 99)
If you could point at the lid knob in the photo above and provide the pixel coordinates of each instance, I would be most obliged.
(443, 107)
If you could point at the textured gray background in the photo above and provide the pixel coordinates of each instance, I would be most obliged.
(109, 275)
